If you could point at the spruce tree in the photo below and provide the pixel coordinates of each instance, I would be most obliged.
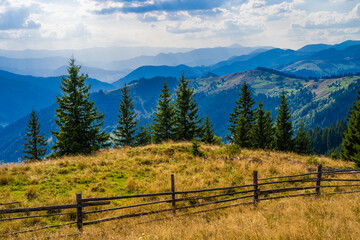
(144, 136)
(79, 122)
(242, 118)
(208, 131)
(350, 147)
(283, 128)
(124, 134)
(187, 122)
(262, 132)
(163, 119)
(302, 140)
(35, 146)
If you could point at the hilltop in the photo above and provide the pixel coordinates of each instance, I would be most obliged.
(147, 169)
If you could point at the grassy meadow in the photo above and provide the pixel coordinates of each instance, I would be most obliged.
(147, 169)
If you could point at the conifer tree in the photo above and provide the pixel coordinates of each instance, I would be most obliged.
(302, 140)
(262, 132)
(144, 136)
(283, 128)
(35, 146)
(163, 119)
(208, 131)
(242, 118)
(124, 134)
(79, 122)
(350, 147)
(187, 122)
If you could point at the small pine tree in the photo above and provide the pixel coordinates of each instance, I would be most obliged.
(241, 135)
(163, 119)
(78, 120)
(35, 146)
(302, 140)
(350, 147)
(187, 122)
(242, 118)
(124, 134)
(262, 132)
(144, 136)
(283, 129)
(208, 132)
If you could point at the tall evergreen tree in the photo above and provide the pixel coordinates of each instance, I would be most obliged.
(350, 147)
(35, 146)
(208, 131)
(262, 132)
(242, 118)
(78, 120)
(187, 122)
(283, 129)
(163, 119)
(302, 140)
(127, 125)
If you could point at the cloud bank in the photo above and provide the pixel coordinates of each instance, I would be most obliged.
(176, 23)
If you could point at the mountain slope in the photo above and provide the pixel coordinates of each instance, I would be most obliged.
(164, 71)
(20, 94)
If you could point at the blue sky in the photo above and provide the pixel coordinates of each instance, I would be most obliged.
(76, 24)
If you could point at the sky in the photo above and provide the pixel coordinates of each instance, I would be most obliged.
(78, 24)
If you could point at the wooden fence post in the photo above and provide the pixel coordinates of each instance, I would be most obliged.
(256, 187)
(318, 181)
(79, 214)
(173, 196)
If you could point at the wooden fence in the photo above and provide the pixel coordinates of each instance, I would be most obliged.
(259, 190)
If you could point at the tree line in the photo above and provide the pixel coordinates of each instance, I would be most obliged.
(176, 118)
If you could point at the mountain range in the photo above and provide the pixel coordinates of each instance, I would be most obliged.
(110, 64)
(267, 71)
(310, 61)
(314, 101)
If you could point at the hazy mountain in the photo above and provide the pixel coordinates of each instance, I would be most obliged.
(107, 76)
(94, 55)
(32, 66)
(164, 71)
(197, 57)
(306, 62)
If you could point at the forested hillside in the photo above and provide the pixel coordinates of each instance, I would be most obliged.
(313, 100)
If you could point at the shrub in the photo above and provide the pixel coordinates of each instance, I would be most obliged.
(195, 149)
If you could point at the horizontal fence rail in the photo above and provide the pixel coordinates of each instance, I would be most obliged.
(179, 201)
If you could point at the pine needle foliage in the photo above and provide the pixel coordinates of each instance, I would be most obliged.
(143, 137)
(35, 146)
(350, 147)
(283, 129)
(163, 119)
(262, 132)
(208, 132)
(187, 122)
(302, 140)
(242, 118)
(124, 134)
(79, 122)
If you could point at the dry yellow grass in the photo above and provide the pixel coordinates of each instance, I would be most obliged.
(147, 169)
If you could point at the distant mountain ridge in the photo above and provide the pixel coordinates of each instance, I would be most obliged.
(310, 61)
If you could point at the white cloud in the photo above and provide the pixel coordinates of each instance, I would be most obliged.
(75, 24)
